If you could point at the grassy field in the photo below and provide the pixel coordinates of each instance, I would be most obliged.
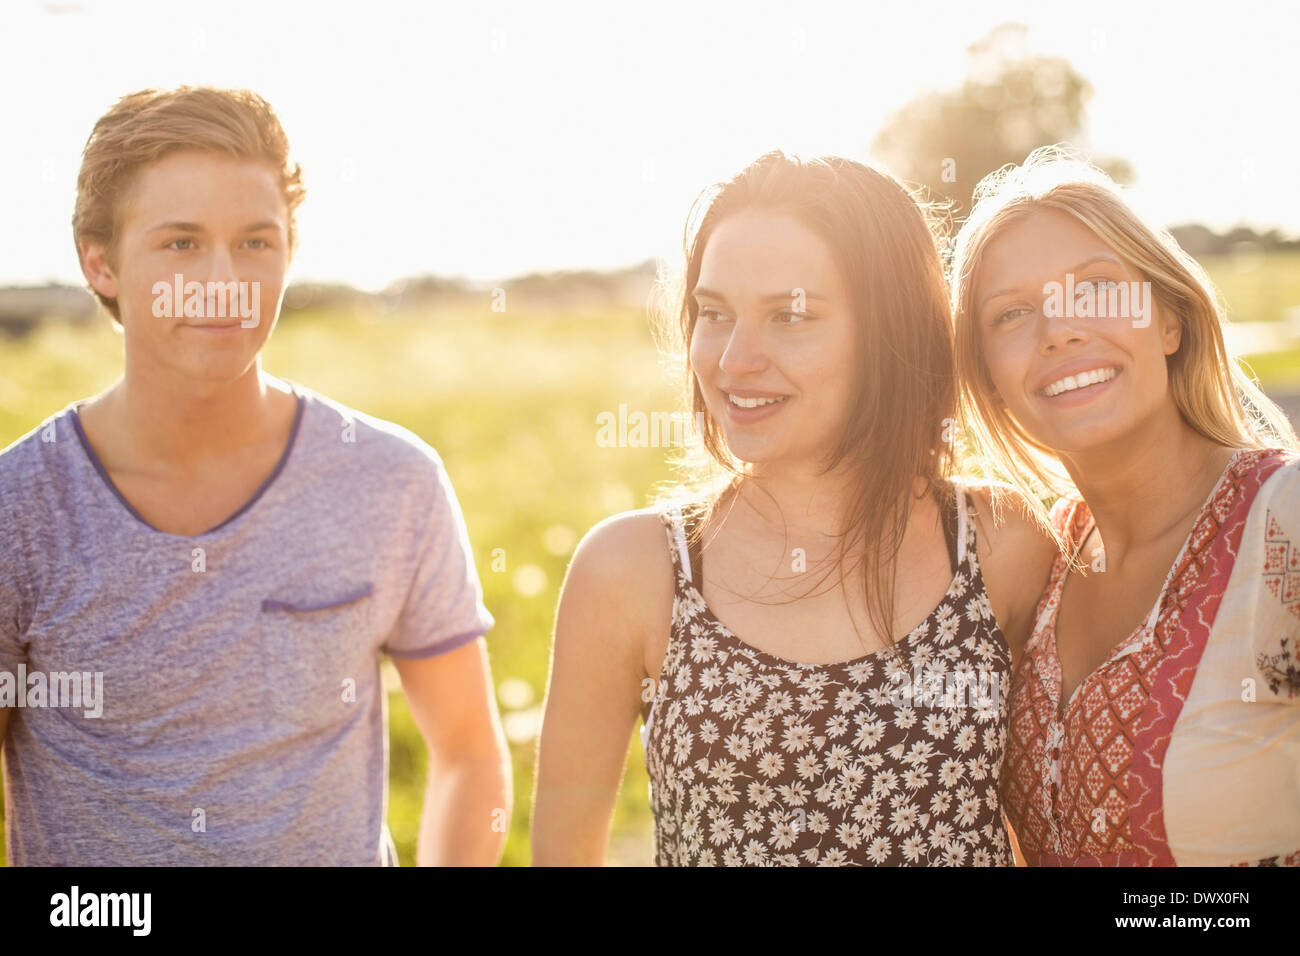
(510, 402)
(1257, 287)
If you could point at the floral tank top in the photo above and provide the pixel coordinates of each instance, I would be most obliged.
(755, 760)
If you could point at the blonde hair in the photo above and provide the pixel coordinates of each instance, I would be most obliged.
(142, 128)
(1211, 390)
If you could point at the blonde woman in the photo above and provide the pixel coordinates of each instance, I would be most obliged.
(1155, 715)
(791, 626)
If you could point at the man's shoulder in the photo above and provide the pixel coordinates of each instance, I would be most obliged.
(29, 456)
(371, 444)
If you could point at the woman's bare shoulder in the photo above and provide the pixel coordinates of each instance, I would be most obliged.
(620, 580)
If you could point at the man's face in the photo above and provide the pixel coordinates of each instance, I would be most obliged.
(219, 222)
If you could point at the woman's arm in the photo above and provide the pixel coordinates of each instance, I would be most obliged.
(1016, 558)
(617, 592)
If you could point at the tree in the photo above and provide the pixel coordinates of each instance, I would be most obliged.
(1011, 102)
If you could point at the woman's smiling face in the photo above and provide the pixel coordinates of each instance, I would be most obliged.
(1073, 382)
(776, 369)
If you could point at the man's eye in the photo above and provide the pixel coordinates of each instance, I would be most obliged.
(794, 316)
(174, 242)
(263, 243)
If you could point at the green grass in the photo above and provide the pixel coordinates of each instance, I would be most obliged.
(510, 402)
(1258, 287)
(1278, 369)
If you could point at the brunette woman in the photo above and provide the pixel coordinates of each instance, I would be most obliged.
(782, 635)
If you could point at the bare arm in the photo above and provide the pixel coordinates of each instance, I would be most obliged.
(619, 586)
(1015, 557)
(468, 793)
(1015, 843)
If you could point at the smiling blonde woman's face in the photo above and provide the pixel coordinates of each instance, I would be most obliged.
(1073, 381)
(753, 346)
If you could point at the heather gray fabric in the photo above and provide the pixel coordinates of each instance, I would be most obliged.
(227, 734)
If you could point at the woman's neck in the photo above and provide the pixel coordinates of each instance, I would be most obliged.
(1139, 489)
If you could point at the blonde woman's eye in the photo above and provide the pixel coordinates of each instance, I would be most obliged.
(1094, 286)
(706, 313)
(1008, 315)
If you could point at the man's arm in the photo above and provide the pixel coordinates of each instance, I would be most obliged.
(469, 789)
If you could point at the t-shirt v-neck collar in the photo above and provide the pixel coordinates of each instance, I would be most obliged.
(98, 465)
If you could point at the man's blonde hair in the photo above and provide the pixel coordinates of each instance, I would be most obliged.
(143, 127)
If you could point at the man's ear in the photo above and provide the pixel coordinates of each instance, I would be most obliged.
(95, 267)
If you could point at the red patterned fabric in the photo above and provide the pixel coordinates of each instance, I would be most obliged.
(1082, 783)
(1282, 566)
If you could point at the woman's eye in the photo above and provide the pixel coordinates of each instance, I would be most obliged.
(1094, 286)
(706, 314)
(1009, 315)
(793, 316)
(263, 243)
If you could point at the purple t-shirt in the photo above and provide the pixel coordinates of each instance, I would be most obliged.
(241, 716)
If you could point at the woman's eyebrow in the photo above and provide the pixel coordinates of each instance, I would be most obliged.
(1102, 257)
(703, 293)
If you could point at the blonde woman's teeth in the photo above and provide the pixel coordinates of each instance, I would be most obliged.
(1073, 382)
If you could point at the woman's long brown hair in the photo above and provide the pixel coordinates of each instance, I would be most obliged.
(903, 409)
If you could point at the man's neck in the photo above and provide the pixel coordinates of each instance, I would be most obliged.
(182, 424)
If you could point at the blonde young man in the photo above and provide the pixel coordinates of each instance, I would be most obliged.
(220, 558)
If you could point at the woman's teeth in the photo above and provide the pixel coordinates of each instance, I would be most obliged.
(753, 402)
(1082, 380)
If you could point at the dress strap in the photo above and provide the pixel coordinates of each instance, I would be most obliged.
(962, 535)
(695, 570)
(949, 518)
(679, 540)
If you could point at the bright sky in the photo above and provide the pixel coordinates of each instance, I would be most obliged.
(491, 140)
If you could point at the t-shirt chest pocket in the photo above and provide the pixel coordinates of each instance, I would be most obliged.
(321, 665)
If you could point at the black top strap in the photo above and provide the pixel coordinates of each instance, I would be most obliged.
(691, 517)
(948, 509)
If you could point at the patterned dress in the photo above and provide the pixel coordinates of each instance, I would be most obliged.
(1183, 747)
(755, 760)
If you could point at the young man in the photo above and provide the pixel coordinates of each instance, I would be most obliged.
(221, 557)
